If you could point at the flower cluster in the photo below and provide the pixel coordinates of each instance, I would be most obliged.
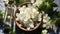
(46, 21)
(28, 14)
(44, 31)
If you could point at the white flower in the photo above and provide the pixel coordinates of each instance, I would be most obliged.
(44, 20)
(6, 1)
(17, 19)
(24, 6)
(47, 24)
(45, 16)
(44, 31)
(26, 13)
(44, 25)
(32, 1)
(39, 19)
(9, 17)
(17, 14)
(28, 28)
(28, 10)
(22, 9)
(21, 12)
(31, 24)
(25, 20)
(33, 16)
(48, 18)
(34, 10)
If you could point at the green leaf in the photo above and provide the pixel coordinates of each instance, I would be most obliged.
(42, 7)
(50, 1)
(58, 22)
(20, 1)
(58, 14)
(14, 32)
(54, 5)
(53, 21)
(1, 14)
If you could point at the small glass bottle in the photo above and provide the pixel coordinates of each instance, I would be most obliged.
(9, 13)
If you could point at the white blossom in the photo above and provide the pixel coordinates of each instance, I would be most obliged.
(26, 13)
(31, 24)
(17, 19)
(6, 1)
(32, 1)
(28, 28)
(39, 19)
(46, 18)
(44, 31)
(9, 17)
(44, 25)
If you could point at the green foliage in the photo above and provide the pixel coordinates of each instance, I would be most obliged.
(20, 1)
(14, 33)
(53, 21)
(58, 22)
(11, 30)
(0, 14)
(47, 6)
(42, 6)
(58, 14)
(50, 1)
(53, 5)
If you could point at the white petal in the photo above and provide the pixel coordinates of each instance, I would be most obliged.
(31, 25)
(9, 17)
(33, 16)
(25, 19)
(44, 20)
(24, 6)
(17, 14)
(46, 15)
(17, 19)
(44, 25)
(21, 12)
(44, 31)
(37, 12)
(32, 1)
(34, 10)
(28, 28)
(39, 19)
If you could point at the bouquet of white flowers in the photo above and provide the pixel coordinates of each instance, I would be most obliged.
(29, 17)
